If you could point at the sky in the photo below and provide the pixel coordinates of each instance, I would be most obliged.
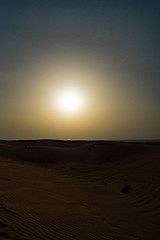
(104, 54)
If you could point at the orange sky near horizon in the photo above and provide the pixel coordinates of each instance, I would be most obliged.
(111, 109)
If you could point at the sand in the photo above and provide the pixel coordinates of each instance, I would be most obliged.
(79, 190)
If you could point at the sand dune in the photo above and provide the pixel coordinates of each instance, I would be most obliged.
(79, 190)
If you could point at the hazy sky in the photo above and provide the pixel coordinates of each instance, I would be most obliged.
(107, 52)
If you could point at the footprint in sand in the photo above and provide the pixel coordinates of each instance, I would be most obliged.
(3, 225)
(4, 235)
(95, 214)
(116, 227)
(5, 179)
(5, 209)
(132, 237)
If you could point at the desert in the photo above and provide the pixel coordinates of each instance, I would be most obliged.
(79, 190)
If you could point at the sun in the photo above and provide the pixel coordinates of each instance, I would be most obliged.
(69, 101)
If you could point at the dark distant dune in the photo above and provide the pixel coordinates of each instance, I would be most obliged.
(47, 151)
(79, 190)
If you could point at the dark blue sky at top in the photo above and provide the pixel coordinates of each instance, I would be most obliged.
(125, 32)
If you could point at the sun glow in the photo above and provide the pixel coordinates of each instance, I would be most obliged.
(69, 101)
